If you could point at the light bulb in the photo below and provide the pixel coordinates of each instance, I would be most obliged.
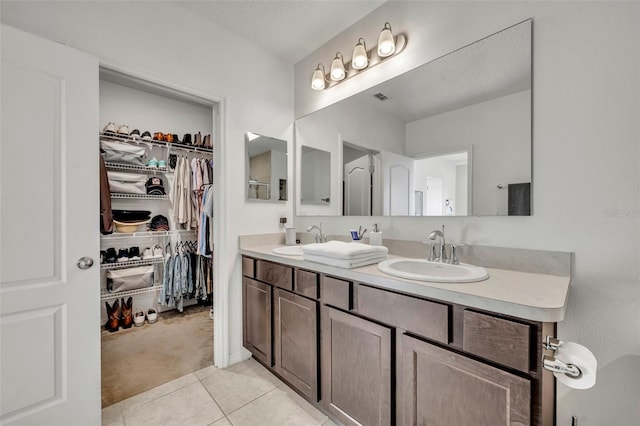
(337, 68)
(386, 43)
(359, 59)
(317, 81)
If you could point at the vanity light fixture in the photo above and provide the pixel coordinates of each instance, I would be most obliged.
(362, 59)
(337, 68)
(317, 81)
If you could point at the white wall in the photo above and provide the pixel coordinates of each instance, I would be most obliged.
(167, 43)
(586, 165)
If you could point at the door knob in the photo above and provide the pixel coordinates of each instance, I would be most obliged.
(85, 262)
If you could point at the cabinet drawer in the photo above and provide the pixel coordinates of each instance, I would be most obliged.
(419, 316)
(276, 274)
(248, 268)
(335, 292)
(497, 339)
(307, 283)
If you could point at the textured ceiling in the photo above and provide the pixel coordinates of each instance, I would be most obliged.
(289, 29)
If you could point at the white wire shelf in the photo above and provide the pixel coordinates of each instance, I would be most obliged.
(139, 196)
(169, 145)
(141, 234)
(133, 168)
(106, 295)
(131, 263)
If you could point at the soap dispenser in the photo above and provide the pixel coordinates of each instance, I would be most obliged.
(375, 236)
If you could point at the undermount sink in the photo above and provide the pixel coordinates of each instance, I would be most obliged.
(424, 270)
(288, 250)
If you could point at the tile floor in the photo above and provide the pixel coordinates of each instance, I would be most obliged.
(244, 394)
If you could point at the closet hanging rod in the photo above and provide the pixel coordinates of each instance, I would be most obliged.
(149, 234)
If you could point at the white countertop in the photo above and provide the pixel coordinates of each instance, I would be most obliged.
(532, 296)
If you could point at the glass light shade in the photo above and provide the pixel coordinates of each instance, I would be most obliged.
(359, 59)
(337, 68)
(386, 43)
(317, 81)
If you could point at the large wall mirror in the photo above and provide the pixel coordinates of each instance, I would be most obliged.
(451, 137)
(266, 165)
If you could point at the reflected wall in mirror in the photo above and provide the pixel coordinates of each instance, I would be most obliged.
(315, 176)
(451, 137)
(266, 165)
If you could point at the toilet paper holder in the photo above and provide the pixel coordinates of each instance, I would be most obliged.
(555, 365)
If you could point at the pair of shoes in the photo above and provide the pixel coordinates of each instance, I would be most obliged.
(126, 255)
(146, 136)
(152, 163)
(152, 316)
(135, 134)
(197, 140)
(111, 128)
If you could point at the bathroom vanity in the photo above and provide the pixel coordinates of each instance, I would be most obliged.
(372, 349)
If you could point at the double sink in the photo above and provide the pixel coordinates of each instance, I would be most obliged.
(416, 269)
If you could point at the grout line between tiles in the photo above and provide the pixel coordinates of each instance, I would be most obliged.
(254, 399)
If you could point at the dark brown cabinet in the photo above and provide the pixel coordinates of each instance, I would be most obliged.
(441, 387)
(256, 315)
(356, 369)
(295, 329)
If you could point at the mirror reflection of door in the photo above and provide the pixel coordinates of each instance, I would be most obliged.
(357, 188)
(445, 181)
(419, 203)
(434, 196)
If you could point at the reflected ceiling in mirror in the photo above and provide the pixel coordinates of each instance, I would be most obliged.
(475, 100)
(266, 166)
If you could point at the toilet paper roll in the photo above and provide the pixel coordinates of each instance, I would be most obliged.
(583, 358)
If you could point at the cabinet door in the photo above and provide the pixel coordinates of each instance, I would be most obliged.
(256, 326)
(440, 387)
(356, 369)
(295, 351)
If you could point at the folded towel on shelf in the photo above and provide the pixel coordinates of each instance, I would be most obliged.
(344, 250)
(345, 263)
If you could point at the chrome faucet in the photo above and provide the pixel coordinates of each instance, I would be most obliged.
(320, 237)
(443, 250)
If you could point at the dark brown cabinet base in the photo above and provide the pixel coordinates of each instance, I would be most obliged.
(441, 387)
(356, 369)
(256, 315)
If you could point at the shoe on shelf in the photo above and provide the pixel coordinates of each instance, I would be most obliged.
(103, 256)
(113, 316)
(186, 140)
(157, 251)
(127, 313)
(111, 256)
(168, 137)
(135, 134)
(158, 136)
(147, 254)
(123, 255)
(153, 163)
(146, 136)
(162, 164)
(134, 253)
(138, 319)
(197, 139)
(110, 128)
(123, 130)
(152, 315)
(206, 143)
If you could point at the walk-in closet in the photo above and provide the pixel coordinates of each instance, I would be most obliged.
(157, 155)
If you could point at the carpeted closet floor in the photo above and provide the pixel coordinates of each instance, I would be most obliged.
(141, 358)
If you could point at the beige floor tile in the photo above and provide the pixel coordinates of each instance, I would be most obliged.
(206, 372)
(236, 386)
(190, 405)
(222, 422)
(316, 414)
(157, 392)
(112, 415)
(273, 409)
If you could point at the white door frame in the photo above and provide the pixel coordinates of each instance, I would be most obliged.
(221, 275)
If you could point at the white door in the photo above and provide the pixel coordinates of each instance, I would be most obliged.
(397, 171)
(357, 177)
(49, 307)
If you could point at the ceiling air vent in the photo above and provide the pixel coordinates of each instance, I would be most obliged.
(381, 96)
